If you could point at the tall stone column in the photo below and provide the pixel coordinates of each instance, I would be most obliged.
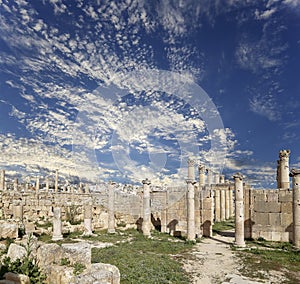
(295, 174)
(57, 225)
(56, 181)
(231, 207)
(284, 178)
(2, 180)
(146, 225)
(197, 211)
(227, 204)
(209, 177)
(16, 184)
(87, 220)
(190, 210)
(111, 208)
(37, 184)
(217, 205)
(201, 169)
(239, 210)
(223, 204)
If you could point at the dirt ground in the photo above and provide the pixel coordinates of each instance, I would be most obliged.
(213, 261)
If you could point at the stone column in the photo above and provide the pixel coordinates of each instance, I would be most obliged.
(47, 184)
(222, 179)
(201, 169)
(295, 174)
(111, 208)
(57, 225)
(18, 212)
(223, 204)
(231, 207)
(56, 181)
(217, 178)
(284, 178)
(16, 184)
(197, 211)
(87, 220)
(209, 177)
(37, 184)
(87, 188)
(146, 225)
(217, 205)
(2, 180)
(227, 204)
(191, 169)
(164, 215)
(190, 210)
(239, 210)
(80, 190)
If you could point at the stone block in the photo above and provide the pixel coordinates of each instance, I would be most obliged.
(16, 252)
(276, 236)
(16, 278)
(49, 254)
(260, 218)
(78, 252)
(275, 219)
(272, 196)
(267, 207)
(8, 230)
(285, 196)
(286, 219)
(287, 207)
(285, 237)
(99, 273)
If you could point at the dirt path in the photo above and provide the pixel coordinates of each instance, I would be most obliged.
(212, 261)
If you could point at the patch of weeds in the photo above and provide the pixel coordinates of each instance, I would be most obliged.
(72, 213)
(27, 265)
(65, 262)
(146, 260)
(78, 268)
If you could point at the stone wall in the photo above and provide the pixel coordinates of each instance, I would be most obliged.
(269, 214)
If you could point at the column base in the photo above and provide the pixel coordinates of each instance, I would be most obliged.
(57, 238)
(239, 245)
(111, 231)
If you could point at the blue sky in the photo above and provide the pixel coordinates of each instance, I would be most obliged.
(125, 90)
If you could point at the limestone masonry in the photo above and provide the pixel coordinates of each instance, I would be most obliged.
(187, 211)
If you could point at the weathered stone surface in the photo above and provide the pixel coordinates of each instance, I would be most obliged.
(285, 196)
(16, 251)
(267, 207)
(49, 254)
(59, 274)
(17, 278)
(274, 219)
(8, 230)
(260, 218)
(78, 252)
(287, 207)
(99, 273)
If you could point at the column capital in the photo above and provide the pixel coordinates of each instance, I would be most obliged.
(294, 172)
(191, 162)
(111, 182)
(146, 181)
(201, 169)
(284, 154)
(238, 176)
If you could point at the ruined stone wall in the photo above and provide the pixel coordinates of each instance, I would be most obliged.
(269, 214)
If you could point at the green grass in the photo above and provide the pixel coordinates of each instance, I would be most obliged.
(222, 226)
(144, 260)
(265, 256)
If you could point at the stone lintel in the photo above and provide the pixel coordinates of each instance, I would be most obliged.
(146, 181)
(294, 172)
